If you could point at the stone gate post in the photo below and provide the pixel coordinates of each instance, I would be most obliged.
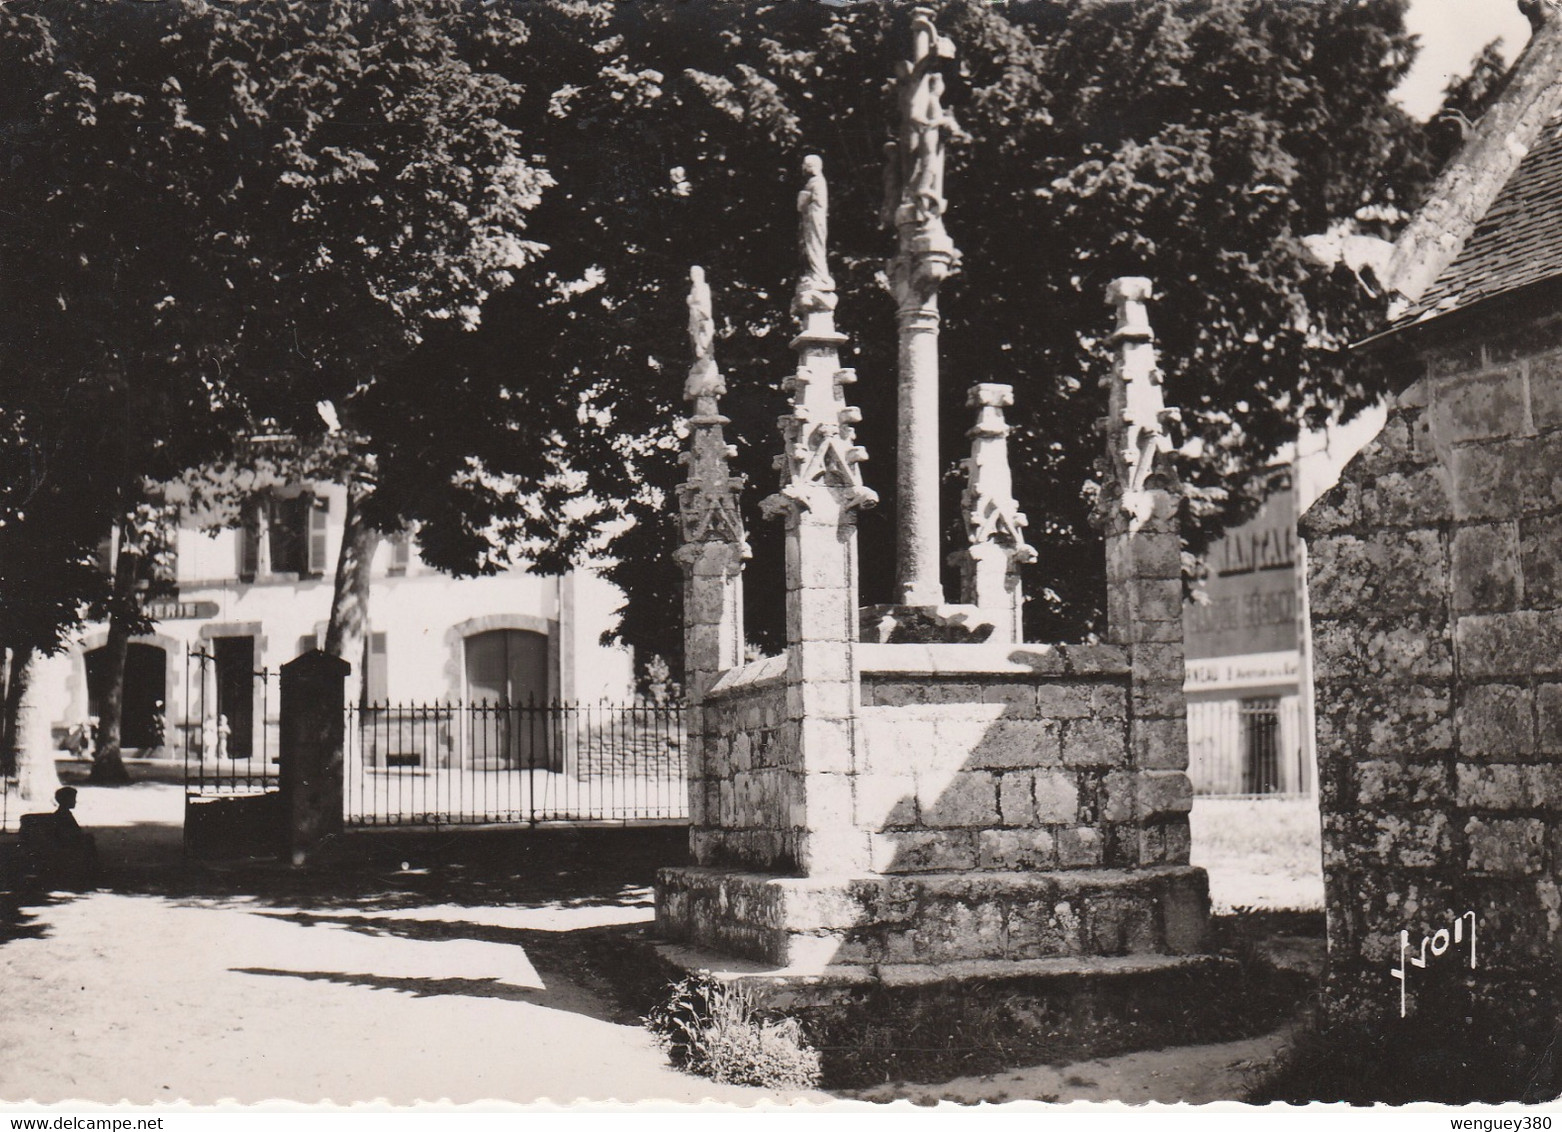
(313, 729)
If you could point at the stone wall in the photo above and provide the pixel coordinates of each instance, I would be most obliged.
(1015, 758)
(748, 800)
(1435, 574)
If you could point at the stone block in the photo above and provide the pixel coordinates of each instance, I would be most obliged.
(829, 800)
(1417, 497)
(821, 614)
(1163, 699)
(1160, 744)
(1018, 700)
(886, 800)
(1120, 925)
(1016, 849)
(1495, 720)
(1119, 790)
(1545, 391)
(1057, 795)
(1419, 842)
(1160, 660)
(1163, 792)
(1490, 406)
(945, 692)
(1505, 847)
(1383, 783)
(1548, 705)
(1486, 567)
(837, 851)
(1079, 847)
(950, 930)
(1373, 720)
(1521, 643)
(1540, 552)
(1018, 743)
(825, 746)
(1411, 647)
(969, 799)
(814, 660)
(1179, 840)
(1016, 802)
(1336, 510)
(815, 700)
(1063, 701)
(1094, 742)
(1491, 786)
(923, 851)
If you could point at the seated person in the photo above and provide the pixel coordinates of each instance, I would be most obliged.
(56, 850)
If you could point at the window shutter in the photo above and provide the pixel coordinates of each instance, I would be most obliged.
(249, 546)
(318, 511)
(376, 683)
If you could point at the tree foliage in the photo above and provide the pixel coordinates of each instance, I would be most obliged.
(1193, 143)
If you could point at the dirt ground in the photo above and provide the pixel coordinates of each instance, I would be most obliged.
(432, 982)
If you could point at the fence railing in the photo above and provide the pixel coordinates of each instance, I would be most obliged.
(452, 764)
(1248, 747)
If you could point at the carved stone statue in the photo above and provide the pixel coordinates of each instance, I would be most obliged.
(704, 378)
(815, 285)
(813, 230)
(925, 126)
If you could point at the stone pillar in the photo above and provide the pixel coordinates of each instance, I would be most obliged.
(712, 542)
(990, 566)
(1137, 511)
(312, 730)
(914, 204)
(821, 492)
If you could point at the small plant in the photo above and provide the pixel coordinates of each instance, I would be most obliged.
(716, 1030)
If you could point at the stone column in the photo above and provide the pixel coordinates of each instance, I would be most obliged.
(1137, 511)
(914, 204)
(713, 545)
(990, 566)
(821, 492)
(312, 729)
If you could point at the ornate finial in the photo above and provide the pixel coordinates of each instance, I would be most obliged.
(915, 179)
(708, 498)
(1137, 416)
(704, 378)
(815, 286)
(991, 512)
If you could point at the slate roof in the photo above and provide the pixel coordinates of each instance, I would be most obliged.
(1517, 242)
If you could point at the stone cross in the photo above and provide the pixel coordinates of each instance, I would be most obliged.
(995, 526)
(914, 204)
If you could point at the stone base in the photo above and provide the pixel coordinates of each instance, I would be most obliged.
(923, 624)
(805, 927)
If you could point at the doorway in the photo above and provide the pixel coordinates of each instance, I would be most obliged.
(234, 658)
(507, 688)
(145, 693)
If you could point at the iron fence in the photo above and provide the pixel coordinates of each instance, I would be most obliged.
(1247, 748)
(473, 764)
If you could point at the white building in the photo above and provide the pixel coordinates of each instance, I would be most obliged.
(249, 600)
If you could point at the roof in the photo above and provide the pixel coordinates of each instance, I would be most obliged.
(1518, 242)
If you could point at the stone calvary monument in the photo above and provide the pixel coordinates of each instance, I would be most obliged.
(909, 794)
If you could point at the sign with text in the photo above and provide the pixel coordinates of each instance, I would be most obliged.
(1250, 597)
(181, 610)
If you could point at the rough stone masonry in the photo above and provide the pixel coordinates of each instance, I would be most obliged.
(1436, 593)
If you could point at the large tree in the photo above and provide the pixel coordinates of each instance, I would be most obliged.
(1196, 143)
(218, 218)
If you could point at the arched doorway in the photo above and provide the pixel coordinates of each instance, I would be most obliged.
(507, 685)
(146, 693)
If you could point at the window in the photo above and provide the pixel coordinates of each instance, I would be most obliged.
(291, 530)
(400, 554)
(1261, 741)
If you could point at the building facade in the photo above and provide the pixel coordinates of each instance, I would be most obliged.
(247, 600)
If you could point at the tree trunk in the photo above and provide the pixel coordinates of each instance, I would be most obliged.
(349, 625)
(10, 698)
(108, 767)
(36, 778)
